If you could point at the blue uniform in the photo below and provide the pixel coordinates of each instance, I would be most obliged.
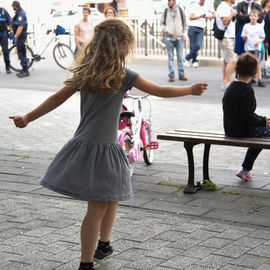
(5, 20)
(18, 20)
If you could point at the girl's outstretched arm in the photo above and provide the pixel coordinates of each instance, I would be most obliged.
(169, 90)
(48, 105)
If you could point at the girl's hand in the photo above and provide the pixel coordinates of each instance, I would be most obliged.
(198, 88)
(19, 121)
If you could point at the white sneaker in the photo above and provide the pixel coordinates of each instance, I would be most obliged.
(223, 86)
(186, 63)
(195, 64)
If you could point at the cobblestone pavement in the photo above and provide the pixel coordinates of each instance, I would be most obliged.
(161, 228)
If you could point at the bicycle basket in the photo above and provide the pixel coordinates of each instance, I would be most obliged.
(60, 30)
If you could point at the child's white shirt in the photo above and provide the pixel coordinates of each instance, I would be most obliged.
(254, 33)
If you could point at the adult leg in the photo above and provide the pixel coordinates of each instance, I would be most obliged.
(192, 41)
(90, 229)
(20, 43)
(4, 44)
(229, 72)
(170, 51)
(179, 43)
(198, 43)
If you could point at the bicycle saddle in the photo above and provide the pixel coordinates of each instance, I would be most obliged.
(127, 114)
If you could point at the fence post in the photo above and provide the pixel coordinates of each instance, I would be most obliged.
(145, 38)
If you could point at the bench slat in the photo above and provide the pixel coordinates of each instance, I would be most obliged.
(217, 136)
(211, 138)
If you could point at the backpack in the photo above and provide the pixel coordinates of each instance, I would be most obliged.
(181, 12)
(60, 30)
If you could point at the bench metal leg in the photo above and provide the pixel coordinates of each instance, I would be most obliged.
(206, 161)
(190, 188)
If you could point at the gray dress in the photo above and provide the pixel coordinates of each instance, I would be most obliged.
(92, 165)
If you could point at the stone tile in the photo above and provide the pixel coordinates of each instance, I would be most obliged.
(250, 242)
(184, 243)
(265, 266)
(165, 253)
(179, 262)
(198, 252)
(215, 242)
(262, 250)
(215, 261)
(250, 261)
(235, 267)
(232, 251)
(262, 234)
(175, 208)
(145, 263)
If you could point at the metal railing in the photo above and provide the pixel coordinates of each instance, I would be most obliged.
(150, 39)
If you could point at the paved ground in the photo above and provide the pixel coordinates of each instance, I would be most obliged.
(161, 228)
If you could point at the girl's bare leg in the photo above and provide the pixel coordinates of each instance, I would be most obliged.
(90, 229)
(107, 221)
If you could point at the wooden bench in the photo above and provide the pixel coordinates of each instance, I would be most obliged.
(191, 138)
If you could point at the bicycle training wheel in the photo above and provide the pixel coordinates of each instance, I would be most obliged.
(148, 153)
(63, 55)
(127, 145)
(15, 61)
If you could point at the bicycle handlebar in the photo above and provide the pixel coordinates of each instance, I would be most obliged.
(137, 97)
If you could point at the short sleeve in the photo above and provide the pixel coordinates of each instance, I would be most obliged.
(224, 11)
(8, 19)
(130, 79)
(244, 31)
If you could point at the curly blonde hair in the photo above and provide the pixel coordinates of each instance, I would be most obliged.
(100, 64)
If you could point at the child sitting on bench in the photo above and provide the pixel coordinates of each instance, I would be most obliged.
(239, 117)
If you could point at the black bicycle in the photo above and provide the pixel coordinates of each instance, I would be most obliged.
(62, 53)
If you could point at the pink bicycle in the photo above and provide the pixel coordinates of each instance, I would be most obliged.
(135, 136)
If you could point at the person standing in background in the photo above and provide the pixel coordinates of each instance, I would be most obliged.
(242, 17)
(200, 12)
(225, 19)
(84, 30)
(19, 26)
(109, 12)
(174, 26)
(5, 23)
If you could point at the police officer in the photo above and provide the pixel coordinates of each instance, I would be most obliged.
(19, 25)
(5, 23)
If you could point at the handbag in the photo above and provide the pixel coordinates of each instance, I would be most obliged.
(218, 33)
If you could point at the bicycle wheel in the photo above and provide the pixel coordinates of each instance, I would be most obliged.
(15, 61)
(127, 145)
(63, 55)
(148, 153)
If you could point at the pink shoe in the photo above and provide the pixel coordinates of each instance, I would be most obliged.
(245, 177)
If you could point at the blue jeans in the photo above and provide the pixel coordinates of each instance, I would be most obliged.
(252, 153)
(195, 35)
(178, 44)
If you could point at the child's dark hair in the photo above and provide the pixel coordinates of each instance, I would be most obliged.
(246, 65)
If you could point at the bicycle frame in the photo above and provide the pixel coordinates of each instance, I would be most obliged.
(138, 134)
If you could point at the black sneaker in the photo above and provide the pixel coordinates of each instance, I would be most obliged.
(87, 268)
(24, 73)
(103, 252)
(261, 84)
